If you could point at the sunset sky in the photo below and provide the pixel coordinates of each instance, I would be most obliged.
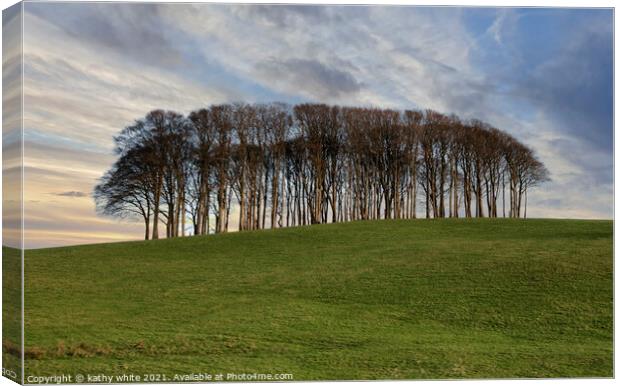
(543, 75)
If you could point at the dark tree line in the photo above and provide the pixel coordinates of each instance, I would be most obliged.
(282, 166)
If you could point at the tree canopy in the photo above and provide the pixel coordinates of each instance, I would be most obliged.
(276, 165)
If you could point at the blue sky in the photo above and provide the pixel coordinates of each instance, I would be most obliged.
(542, 74)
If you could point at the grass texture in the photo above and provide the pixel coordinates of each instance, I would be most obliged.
(392, 299)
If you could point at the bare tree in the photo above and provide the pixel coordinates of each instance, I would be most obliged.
(126, 190)
(309, 164)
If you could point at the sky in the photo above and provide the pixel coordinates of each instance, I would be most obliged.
(543, 75)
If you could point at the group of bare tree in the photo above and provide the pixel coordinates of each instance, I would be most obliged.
(273, 165)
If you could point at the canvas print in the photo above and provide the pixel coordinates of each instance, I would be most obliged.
(248, 192)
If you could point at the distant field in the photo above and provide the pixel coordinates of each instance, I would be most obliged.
(363, 300)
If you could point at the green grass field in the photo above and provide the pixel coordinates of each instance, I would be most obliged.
(11, 312)
(364, 300)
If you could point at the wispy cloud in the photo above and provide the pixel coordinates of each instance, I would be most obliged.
(313, 78)
(72, 194)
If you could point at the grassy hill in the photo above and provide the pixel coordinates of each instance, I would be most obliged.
(363, 300)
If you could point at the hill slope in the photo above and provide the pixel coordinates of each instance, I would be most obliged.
(363, 300)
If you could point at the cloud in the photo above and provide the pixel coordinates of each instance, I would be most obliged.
(287, 16)
(95, 92)
(373, 45)
(315, 79)
(72, 194)
(133, 31)
(504, 25)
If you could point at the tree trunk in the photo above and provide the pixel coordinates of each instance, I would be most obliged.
(156, 208)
